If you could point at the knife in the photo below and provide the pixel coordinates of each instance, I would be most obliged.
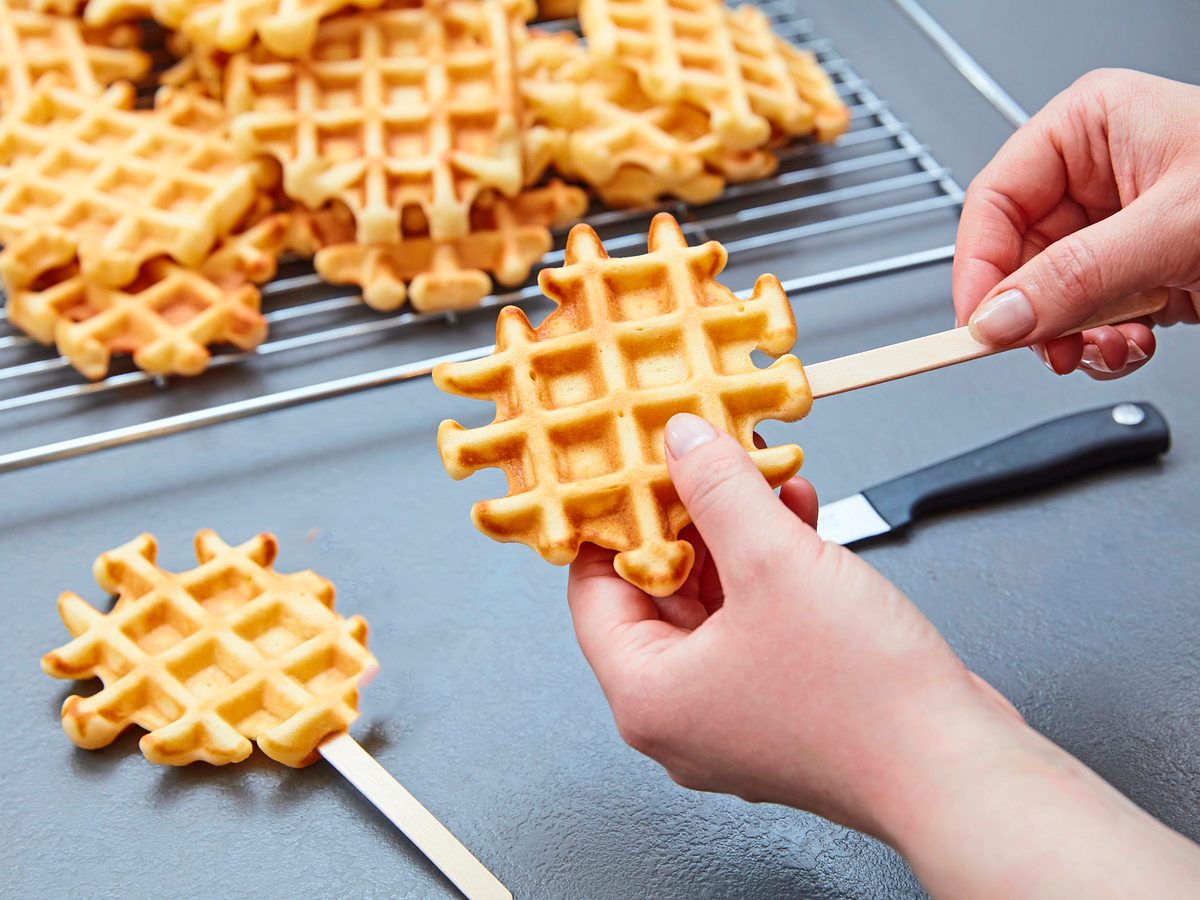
(1050, 453)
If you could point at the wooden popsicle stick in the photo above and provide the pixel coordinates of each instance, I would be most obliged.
(418, 824)
(935, 351)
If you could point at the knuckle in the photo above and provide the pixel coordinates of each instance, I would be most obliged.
(1106, 81)
(1073, 270)
(719, 480)
(756, 565)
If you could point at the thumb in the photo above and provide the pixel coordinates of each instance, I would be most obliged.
(1080, 274)
(741, 520)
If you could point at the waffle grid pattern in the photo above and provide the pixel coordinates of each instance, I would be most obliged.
(725, 61)
(212, 658)
(411, 108)
(168, 318)
(91, 177)
(582, 400)
(287, 28)
(507, 237)
(33, 43)
(594, 122)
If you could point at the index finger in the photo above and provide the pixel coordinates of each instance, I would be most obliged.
(1026, 180)
(617, 624)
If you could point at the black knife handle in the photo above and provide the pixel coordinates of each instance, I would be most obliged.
(1045, 454)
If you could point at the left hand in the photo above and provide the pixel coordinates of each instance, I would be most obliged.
(785, 669)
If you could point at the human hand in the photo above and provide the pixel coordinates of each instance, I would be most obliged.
(788, 670)
(785, 669)
(1095, 198)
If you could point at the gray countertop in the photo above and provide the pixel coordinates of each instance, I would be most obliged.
(1079, 604)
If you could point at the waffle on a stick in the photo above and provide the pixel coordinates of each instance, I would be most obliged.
(33, 43)
(726, 61)
(413, 107)
(208, 660)
(507, 237)
(167, 318)
(92, 178)
(582, 400)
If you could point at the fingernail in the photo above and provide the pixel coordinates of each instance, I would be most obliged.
(1005, 318)
(1136, 354)
(685, 432)
(1094, 360)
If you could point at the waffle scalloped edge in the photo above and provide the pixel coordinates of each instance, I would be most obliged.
(211, 659)
(508, 236)
(727, 61)
(582, 400)
(436, 121)
(94, 179)
(591, 121)
(37, 41)
(168, 317)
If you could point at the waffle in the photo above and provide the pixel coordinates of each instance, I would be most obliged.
(581, 401)
(167, 318)
(593, 122)
(727, 62)
(507, 237)
(412, 107)
(33, 43)
(287, 28)
(311, 230)
(208, 660)
(89, 177)
(101, 13)
(58, 7)
(194, 68)
(557, 9)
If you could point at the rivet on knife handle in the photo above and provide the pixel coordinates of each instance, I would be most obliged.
(1048, 454)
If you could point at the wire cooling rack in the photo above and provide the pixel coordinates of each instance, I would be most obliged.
(879, 172)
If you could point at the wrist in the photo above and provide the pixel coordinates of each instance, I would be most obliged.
(943, 753)
(982, 805)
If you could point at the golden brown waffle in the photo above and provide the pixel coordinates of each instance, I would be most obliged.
(33, 43)
(208, 660)
(287, 28)
(592, 121)
(557, 9)
(582, 400)
(412, 107)
(58, 7)
(90, 177)
(195, 68)
(507, 237)
(167, 318)
(100, 13)
(727, 62)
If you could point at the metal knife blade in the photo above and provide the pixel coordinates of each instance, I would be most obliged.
(1053, 452)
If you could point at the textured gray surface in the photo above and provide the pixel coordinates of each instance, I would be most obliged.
(1078, 604)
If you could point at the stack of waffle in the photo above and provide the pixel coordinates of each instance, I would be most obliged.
(670, 98)
(399, 132)
(419, 149)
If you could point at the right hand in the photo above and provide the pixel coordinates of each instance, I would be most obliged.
(786, 669)
(1095, 198)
